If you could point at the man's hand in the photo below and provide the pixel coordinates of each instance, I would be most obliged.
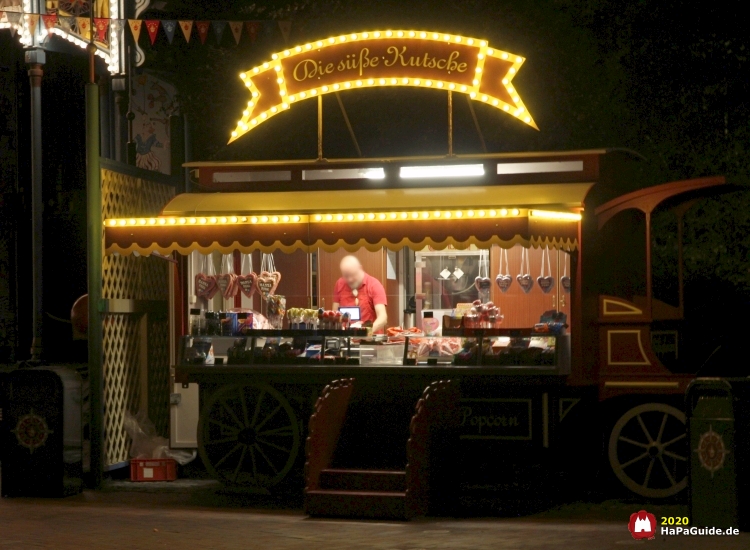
(381, 321)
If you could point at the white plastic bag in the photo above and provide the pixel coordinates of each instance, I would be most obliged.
(146, 443)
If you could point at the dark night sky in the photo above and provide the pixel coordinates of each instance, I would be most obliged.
(656, 76)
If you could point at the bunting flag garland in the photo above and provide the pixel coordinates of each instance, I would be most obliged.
(202, 27)
(67, 23)
(219, 27)
(101, 25)
(269, 27)
(135, 28)
(49, 21)
(84, 27)
(152, 26)
(117, 25)
(169, 27)
(187, 28)
(14, 17)
(236, 28)
(33, 22)
(285, 27)
(252, 29)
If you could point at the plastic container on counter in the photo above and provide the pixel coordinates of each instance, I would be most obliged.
(244, 323)
(197, 323)
(228, 323)
(212, 324)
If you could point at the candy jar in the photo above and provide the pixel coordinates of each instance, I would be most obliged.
(276, 310)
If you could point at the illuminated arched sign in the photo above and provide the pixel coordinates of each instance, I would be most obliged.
(383, 58)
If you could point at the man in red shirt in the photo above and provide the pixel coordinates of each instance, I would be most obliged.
(357, 288)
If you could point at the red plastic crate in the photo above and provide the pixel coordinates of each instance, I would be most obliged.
(153, 469)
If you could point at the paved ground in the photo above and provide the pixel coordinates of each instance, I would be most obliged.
(190, 515)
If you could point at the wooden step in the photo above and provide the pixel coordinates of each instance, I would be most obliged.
(363, 480)
(360, 504)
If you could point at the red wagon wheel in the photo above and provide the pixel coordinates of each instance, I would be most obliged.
(248, 435)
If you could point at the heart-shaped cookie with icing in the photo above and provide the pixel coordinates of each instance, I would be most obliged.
(226, 285)
(205, 285)
(525, 282)
(247, 284)
(268, 281)
(503, 282)
(566, 283)
(546, 283)
(482, 284)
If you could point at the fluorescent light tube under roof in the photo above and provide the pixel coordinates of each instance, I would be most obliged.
(242, 177)
(344, 174)
(539, 167)
(442, 171)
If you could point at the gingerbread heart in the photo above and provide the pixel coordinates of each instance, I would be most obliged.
(503, 282)
(482, 284)
(546, 283)
(226, 286)
(205, 285)
(566, 283)
(268, 282)
(247, 284)
(525, 282)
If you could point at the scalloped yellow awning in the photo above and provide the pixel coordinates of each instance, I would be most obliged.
(414, 217)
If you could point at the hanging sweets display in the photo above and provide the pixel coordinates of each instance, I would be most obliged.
(269, 278)
(565, 282)
(226, 281)
(205, 282)
(503, 279)
(524, 278)
(546, 282)
(247, 281)
(482, 282)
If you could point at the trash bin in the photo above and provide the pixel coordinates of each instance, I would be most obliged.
(741, 403)
(40, 433)
(712, 462)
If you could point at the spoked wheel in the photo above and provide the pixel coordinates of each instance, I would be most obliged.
(248, 435)
(648, 450)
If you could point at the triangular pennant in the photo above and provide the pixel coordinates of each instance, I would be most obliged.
(33, 22)
(169, 27)
(135, 28)
(219, 27)
(67, 23)
(101, 25)
(269, 27)
(286, 28)
(84, 27)
(152, 26)
(187, 28)
(236, 28)
(202, 27)
(252, 29)
(14, 17)
(116, 25)
(49, 21)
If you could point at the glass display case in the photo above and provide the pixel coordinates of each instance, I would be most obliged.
(480, 348)
(445, 278)
(274, 347)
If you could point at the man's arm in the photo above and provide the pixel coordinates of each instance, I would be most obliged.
(335, 306)
(381, 321)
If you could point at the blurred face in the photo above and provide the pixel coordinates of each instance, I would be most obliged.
(352, 272)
